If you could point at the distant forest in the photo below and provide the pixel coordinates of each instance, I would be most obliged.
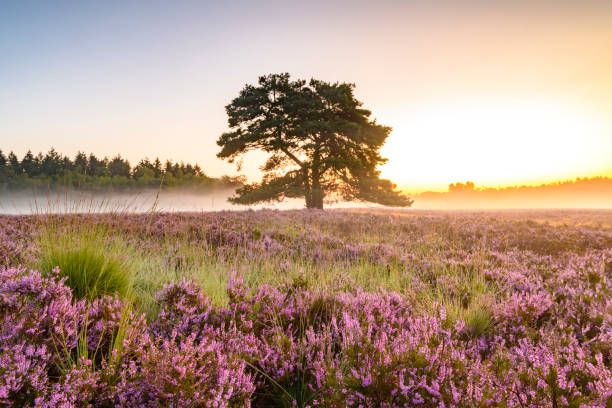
(593, 192)
(88, 172)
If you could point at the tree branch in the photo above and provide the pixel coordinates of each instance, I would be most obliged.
(292, 157)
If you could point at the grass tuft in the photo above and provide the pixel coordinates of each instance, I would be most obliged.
(94, 260)
(90, 273)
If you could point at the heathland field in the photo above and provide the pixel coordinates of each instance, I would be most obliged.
(307, 308)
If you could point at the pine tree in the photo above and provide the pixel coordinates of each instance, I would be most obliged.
(321, 143)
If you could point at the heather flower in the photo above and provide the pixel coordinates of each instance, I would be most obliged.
(546, 288)
(181, 372)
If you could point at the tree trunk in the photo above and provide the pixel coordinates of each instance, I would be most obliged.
(313, 193)
(317, 193)
(314, 200)
(307, 190)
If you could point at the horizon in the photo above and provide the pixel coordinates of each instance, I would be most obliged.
(413, 192)
(501, 95)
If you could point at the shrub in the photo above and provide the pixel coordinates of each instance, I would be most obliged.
(421, 365)
(34, 308)
(185, 309)
(14, 244)
(180, 372)
(23, 373)
(34, 313)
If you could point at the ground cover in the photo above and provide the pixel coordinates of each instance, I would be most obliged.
(307, 308)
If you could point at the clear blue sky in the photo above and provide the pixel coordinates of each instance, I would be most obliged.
(465, 85)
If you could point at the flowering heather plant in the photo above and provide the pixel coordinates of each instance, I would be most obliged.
(557, 369)
(34, 311)
(183, 372)
(321, 310)
(15, 248)
(81, 386)
(185, 309)
(24, 373)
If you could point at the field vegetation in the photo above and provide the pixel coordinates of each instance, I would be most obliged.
(307, 308)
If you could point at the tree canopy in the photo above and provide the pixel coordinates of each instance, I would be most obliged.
(88, 172)
(322, 143)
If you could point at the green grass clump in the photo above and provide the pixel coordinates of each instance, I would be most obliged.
(90, 273)
(94, 260)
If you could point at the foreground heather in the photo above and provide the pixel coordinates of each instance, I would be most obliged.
(280, 345)
(516, 314)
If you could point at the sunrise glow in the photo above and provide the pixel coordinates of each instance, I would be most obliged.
(503, 93)
(497, 143)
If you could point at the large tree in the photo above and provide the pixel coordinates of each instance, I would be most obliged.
(322, 144)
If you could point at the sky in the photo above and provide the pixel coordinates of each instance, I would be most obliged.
(499, 93)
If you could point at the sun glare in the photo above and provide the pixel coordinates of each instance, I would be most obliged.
(493, 144)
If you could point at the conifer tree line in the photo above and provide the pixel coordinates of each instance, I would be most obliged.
(89, 172)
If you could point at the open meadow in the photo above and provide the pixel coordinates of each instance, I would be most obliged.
(306, 308)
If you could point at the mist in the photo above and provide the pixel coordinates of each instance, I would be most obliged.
(138, 202)
(510, 203)
(593, 193)
(121, 202)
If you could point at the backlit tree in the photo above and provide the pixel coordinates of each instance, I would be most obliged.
(322, 144)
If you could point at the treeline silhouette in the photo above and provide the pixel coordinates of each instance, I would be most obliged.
(585, 192)
(54, 170)
(586, 184)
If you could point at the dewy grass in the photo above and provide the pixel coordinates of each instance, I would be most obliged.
(94, 262)
(68, 359)
(90, 272)
(80, 355)
(94, 257)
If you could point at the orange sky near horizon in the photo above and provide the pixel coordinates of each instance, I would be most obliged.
(499, 93)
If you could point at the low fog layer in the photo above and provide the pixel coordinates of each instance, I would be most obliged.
(447, 202)
(571, 195)
(580, 193)
(143, 201)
